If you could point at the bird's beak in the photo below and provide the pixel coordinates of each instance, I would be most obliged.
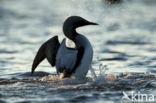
(91, 23)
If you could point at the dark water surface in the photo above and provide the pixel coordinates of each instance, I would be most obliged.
(124, 41)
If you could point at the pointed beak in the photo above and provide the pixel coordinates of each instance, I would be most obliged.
(91, 23)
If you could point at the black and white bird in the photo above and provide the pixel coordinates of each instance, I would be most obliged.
(68, 61)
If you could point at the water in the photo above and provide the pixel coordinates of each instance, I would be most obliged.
(124, 42)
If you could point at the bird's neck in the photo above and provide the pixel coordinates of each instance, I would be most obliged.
(78, 39)
(81, 41)
(69, 32)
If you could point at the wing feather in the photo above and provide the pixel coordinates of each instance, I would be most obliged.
(47, 50)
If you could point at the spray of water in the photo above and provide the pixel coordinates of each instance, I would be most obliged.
(102, 73)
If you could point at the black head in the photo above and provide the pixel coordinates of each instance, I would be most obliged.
(77, 21)
(73, 22)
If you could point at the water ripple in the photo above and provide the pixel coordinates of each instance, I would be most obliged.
(113, 42)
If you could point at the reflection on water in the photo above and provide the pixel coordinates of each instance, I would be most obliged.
(124, 41)
(51, 88)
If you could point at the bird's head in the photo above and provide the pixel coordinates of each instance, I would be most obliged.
(73, 22)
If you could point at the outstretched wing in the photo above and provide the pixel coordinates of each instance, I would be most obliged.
(47, 50)
(66, 58)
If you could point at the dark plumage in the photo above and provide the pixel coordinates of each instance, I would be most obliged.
(68, 60)
(47, 50)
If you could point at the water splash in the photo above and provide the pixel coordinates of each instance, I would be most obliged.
(93, 75)
(102, 73)
(103, 69)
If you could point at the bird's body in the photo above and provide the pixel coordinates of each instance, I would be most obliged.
(87, 56)
(66, 57)
(69, 61)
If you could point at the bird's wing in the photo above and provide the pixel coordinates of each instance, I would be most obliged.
(66, 57)
(47, 50)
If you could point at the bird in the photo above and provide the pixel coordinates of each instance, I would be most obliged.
(68, 61)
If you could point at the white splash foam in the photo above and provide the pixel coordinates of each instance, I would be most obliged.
(102, 77)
